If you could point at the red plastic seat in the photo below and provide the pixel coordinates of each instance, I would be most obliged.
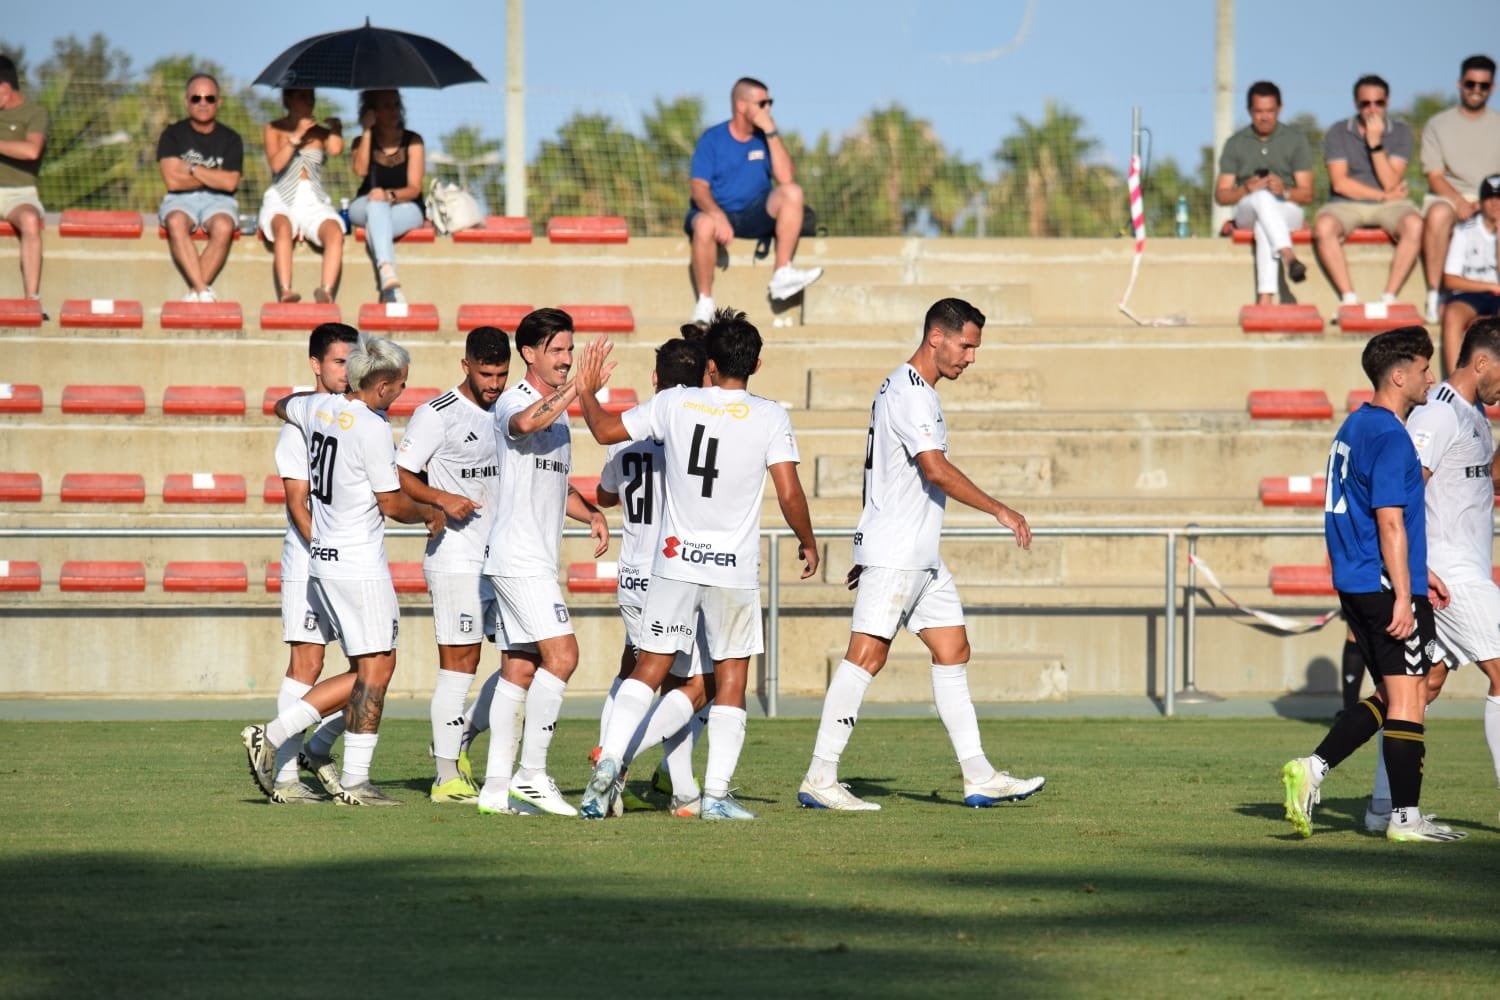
(205, 578)
(407, 578)
(613, 401)
(6, 229)
(20, 487)
(204, 400)
(414, 317)
(1292, 491)
(1357, 397)
(1378, 317)
(1290, 404)
(505, 317)
(1368, 236)
(422, 234)
(20, 312)
(202, 316)
(203, 487)
(601, 319)
(586, 485)
(20, 577)
(99, 576)
(275, 393)
(301, 316)
(1281, 319)
(127, 399)
(497, 229)
(103, 487)
(108, 314)
(274, 491)
(24, 398)
(273, 578)
(101, 225)
(198, 234)
(593, 577)
(406, 404)
(1304, 236)
(587, 229)
(1302, 581)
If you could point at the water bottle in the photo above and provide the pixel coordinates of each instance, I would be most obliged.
(1182, 216)
(344, 214)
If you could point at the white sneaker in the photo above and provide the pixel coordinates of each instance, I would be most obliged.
(1378, 822)
(207, 295)
(1422, 829)
(834, 796)
(539, 794)
(1431, 314)
(789, 280)
(1349, 299)
(191, 296)
(1003, 787)
(703, 312)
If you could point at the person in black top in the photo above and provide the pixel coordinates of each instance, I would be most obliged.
(390, 159)
(200, 161)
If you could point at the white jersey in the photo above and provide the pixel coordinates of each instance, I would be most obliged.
(718, 445)
(452, 438)
(526, 537)
(1454, 442)
(291, 463)
(902, 519)
(633, 471)
(350, 458)
(1471, 254)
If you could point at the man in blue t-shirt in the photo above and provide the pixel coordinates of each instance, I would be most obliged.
(732, 195)
(1374, 518)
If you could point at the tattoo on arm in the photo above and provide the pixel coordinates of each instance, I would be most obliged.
(366, 704)
(549, 404)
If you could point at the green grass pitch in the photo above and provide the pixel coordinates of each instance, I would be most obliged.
(136, 859)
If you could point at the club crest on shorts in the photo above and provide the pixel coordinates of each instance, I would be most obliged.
(561, 611)
(310, 622)
(395, 631)
(466, 624)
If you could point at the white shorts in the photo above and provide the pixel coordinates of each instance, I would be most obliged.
(463, 607)
(363, 611)
(920, 599)
(307, 213)
(303, 618)
(677, 612)
(693, 663)
(531, 608)
(12, 198)
(1469, 627)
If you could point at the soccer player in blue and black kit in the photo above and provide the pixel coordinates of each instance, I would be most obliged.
(1374, 520)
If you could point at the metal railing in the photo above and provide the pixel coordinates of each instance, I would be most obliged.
(1171, 538)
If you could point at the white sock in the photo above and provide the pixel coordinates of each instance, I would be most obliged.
(609, 707)
(508, 703)
(295, 719)
(543, 706)
(1320, 769)
(1380, 795)
(726, 736)
(1432, 298)
(329, 729)
(1349, 299)
(846, 691)
(1492, 730)
(950, 692)
(1388, 297)
(668, 717)
(632, 702)
(477, 718)
(359, 750)
(288, 695)
(447, 713)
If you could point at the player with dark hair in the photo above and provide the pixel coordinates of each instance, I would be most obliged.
(447, 458)
(1374, 520)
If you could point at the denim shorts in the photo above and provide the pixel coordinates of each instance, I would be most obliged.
(200, 206)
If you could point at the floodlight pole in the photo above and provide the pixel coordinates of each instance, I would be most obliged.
(515, 108)
(1223, 95)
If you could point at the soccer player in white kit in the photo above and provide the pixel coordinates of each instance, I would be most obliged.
(305, 626)
(451, 439)
(1456, 446)
(354, 487)
(535, 628)
(720, 442)
(899, 575)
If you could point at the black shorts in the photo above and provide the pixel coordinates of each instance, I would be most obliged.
(751, 222)
(1368, 616)
(1483, 303)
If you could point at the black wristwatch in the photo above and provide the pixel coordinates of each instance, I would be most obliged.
(1379, 147)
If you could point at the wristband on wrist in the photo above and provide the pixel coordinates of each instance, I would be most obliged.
(772, 134)
(1379, 147)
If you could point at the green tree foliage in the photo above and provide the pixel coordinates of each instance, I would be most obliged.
(1049, 185)
(471, 161)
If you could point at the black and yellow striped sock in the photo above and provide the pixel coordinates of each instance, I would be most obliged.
(1405, 747)
(1352, 730)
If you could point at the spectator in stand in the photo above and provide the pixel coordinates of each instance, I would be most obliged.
(1460, 148)
(1367, 155)
(295, 206)
(23, 136)
(389, 205)
(200, 161)
(1265, 171)
(1470, 273)
(733, 166)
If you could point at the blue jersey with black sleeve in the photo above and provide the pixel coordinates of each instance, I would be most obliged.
(1373, 464)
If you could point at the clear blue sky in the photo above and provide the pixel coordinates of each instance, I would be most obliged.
(968, 67)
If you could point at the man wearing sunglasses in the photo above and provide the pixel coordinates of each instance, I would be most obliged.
(732, 195)
(1367, 156)
(200, 161)
(1460, 148)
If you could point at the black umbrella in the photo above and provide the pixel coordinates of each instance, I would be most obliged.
(368, 59)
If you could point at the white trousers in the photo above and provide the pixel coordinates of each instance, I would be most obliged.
(1273, 221)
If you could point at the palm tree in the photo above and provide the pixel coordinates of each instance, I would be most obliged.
(1047, 173)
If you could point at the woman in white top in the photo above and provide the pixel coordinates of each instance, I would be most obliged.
(295, 206)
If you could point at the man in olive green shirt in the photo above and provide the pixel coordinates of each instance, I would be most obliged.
(1265, 171)
(23, 135)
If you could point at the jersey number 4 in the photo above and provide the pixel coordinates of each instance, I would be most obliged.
(703, 458)
(320, 460)
(1334, 499)
(640, 492)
